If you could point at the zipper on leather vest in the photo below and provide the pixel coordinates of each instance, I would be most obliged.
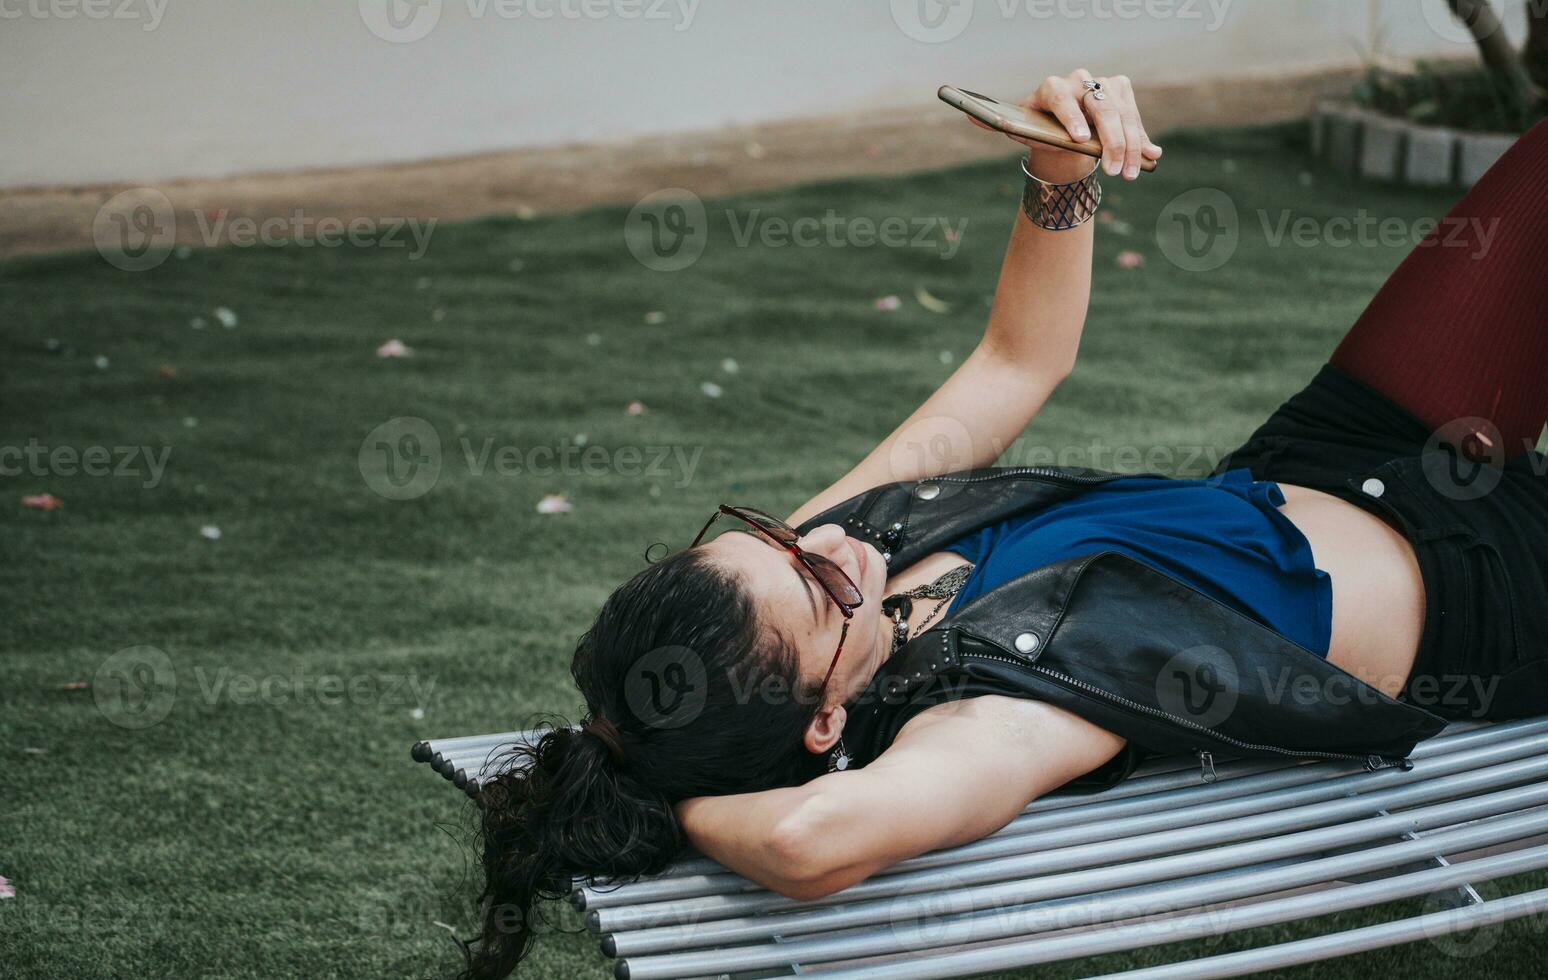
(1206, 760)
(1044, 471)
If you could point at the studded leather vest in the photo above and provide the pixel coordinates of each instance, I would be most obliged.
(1121, 644)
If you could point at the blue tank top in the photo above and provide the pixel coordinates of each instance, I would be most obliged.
(1224, 536)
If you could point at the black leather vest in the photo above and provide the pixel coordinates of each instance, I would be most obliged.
(1108, 638)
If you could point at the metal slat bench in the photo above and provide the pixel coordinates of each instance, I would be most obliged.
(1163, 857)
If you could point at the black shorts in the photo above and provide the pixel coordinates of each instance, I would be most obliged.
(1480, 534)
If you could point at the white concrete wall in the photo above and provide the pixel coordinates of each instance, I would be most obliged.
(106, 90)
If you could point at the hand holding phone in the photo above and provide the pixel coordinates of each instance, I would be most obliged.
(1075, 113)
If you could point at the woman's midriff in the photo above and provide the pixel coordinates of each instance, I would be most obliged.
(1378, 595)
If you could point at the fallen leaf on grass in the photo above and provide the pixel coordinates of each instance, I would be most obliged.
(931, 302)
(75, 686)
(42, 501)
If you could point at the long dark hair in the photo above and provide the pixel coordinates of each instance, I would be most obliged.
(576, 802)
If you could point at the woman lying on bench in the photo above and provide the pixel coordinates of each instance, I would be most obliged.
(930, 643)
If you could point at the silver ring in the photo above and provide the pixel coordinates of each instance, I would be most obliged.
(1094, 87)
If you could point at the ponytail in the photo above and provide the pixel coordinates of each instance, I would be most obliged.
(561, 807)
(597, 802)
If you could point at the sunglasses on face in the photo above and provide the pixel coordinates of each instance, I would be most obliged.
(832, 579)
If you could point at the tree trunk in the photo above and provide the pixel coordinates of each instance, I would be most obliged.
(1534, 55)
(1498, 56)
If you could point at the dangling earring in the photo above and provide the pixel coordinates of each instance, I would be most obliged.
(838, 759)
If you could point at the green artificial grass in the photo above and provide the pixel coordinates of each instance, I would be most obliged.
(270, 825)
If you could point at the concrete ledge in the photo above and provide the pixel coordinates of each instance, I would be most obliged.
(533, 181)
(1357, 141)
(1431, 158)
(1477, 153)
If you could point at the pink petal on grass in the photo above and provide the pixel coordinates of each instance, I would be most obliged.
(554, 503)
(7, 890)
(887, 303)
(42, 501)
(635, 408)
(394, 348)
(75, 685)
(1130, 259)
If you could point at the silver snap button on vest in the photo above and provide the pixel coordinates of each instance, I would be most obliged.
(1374, 487)
(1027, 642)
(928, 491)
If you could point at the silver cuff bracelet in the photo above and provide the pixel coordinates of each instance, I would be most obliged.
(1060, 207)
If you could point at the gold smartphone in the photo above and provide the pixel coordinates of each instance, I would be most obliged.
(1030, 124)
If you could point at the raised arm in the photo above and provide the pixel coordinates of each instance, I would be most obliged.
(1039, 310)
(920, 795)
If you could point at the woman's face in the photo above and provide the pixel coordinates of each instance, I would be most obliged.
(790, 600)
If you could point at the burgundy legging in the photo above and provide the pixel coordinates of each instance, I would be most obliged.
(1460, 329)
